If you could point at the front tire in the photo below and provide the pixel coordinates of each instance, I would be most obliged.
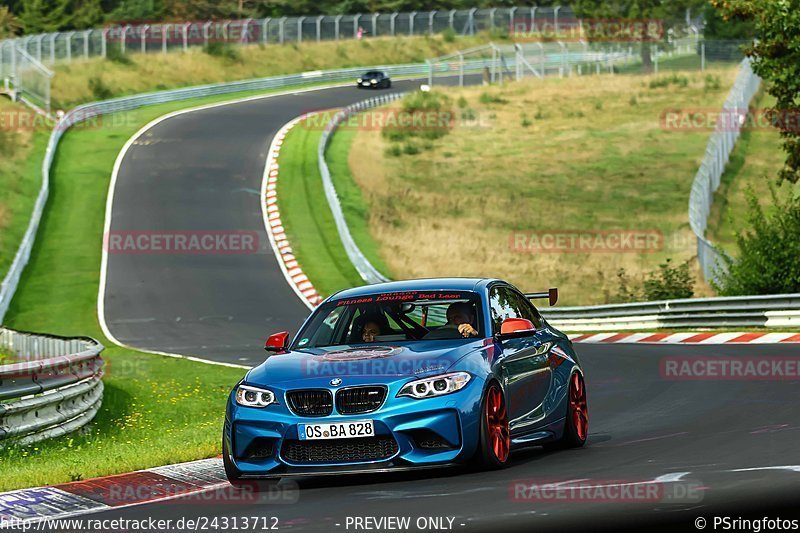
(495, 438)
(576, 424)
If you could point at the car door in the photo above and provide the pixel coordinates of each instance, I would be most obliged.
(524, 364)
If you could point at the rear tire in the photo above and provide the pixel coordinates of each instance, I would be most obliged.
(388, 84)
(495, 439)
(576, 424)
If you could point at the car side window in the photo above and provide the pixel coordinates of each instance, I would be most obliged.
(527, 310)
(503, 305)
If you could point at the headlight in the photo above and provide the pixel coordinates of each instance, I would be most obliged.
(254, 397)
(435, 386)
(359, 80)
(373, 81)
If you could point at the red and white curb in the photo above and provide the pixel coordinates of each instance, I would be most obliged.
(687, 338)
(200, 482)
(272, 221)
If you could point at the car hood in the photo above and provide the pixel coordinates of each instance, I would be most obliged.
(388, 360)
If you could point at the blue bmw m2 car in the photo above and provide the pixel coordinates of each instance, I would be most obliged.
(407, 374)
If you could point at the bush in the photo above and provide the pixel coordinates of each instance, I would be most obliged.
(429, 106)
(669, 282)
(525, 121)
(100, 91)
(768, 258)
(711, 83)
(488, 98)
(462, 102)
(449, 35)
(222, 50)
(116, 55)
(675, 79)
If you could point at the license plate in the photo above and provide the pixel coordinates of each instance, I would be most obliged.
(337, 430)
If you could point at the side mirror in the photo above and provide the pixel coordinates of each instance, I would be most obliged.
(512, 328)
(276, 342)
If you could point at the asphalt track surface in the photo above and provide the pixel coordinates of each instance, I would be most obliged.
(735, 443)
(642, 427)
(201, 172)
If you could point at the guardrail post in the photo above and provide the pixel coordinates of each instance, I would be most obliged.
(451, 17)
(265, 30)
(491, 17)
(375, 24)
(300, 29)
(144, 37)
(411, 18)
(336, 26)
(356, 22)
(430, 22)
(555, 18)
(86, 43)
(104, 43)
(69, 46)
(282, 29)
(471, 20)
(392, 23)
(703, 56)
(319, 27)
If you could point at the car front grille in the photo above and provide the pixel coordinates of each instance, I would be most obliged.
(339, 450)
(310, 402)
(356, 400)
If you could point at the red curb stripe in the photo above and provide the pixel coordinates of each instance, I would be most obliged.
(580, 338)
(616, 337)
(747, 337)
(793, 338)
(698, 338)
(655, 337)
(127, 489)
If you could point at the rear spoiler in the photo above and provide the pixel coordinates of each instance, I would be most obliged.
(551, 295)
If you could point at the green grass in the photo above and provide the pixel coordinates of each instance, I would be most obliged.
(21, 153)
(354, 205)
(554, 156)
(156, 409)
(308, 221)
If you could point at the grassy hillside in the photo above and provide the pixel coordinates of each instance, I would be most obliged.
(574, 156)
(96, 79)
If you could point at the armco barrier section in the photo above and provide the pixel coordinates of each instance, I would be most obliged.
(53, 387)
(776, 311)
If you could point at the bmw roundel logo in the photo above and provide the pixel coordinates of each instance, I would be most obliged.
(335, 382)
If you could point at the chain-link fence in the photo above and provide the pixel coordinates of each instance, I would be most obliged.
(720, 145)
(498, 62)
(52, 48)
(29, 80)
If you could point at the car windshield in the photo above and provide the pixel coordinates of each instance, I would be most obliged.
(372, 74)
(394, 317)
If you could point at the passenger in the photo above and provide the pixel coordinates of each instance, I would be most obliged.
(462, 315)
(371, 330)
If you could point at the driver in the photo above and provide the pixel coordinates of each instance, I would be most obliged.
(462, 315)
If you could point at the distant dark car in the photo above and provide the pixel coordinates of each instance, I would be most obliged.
(374, 79)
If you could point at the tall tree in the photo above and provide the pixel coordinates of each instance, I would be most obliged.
(666, 12)
(8, 23)
(776, 58)
(44, 16)
(87, 14)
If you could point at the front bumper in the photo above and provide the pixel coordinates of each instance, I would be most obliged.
(409, 433)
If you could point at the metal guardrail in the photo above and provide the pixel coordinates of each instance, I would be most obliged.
(55, 386)
(708, 176)
(365, 269)
(782, 310)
